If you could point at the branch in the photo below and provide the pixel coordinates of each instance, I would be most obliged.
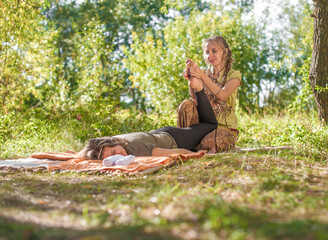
(244, 150)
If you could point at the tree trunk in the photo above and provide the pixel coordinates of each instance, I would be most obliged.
(319, 63)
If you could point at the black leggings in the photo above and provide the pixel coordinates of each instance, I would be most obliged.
(190, 137)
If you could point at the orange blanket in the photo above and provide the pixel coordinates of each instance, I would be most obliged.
(141, 164)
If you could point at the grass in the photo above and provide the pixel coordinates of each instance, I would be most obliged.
(262, 195)
(234, 196)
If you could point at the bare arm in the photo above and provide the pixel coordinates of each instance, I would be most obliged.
(221, 93)
(167, 152)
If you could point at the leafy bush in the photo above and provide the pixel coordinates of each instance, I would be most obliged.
(36, 130)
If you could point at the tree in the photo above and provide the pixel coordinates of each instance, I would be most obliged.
(88, 46)
(319, 68)
(19, 31)
(156, 64)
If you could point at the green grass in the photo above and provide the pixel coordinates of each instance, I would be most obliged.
(261, 195)
(234, 196)
(303, 132)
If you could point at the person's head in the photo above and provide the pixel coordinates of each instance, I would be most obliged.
(100, 148)
(217, 53)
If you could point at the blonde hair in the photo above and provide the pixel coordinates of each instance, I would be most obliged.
(227, 55)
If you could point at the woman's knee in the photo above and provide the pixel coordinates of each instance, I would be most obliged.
(187, 105)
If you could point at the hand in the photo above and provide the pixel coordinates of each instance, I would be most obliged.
(186, 73)
(195, 70)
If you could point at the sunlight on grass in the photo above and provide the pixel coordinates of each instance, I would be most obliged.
(236, 196)
(306, 134)
(249, 195)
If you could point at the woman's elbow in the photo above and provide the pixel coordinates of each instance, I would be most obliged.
(223, 96)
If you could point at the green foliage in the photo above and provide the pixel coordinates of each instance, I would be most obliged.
(36, 130)
(87, 66)
(301, 44)
(304, 101)
(62, 81)
(65, 62)
(156, 64)
(20, 30)
(182, 5)
(68, 55)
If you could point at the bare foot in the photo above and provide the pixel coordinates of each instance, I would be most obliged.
(195, 84)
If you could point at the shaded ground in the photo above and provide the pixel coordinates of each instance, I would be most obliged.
(275, 195)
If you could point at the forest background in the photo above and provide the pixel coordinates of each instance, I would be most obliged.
(72, 70)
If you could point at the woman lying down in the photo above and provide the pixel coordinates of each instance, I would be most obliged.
(161, 142)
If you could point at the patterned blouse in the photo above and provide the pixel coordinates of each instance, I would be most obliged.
(224, 110)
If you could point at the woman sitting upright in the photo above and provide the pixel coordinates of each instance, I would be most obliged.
(220, 84)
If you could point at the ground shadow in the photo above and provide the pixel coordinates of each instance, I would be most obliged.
(14, 230)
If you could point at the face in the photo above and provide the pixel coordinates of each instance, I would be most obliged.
(110, 151)
(213, 54)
